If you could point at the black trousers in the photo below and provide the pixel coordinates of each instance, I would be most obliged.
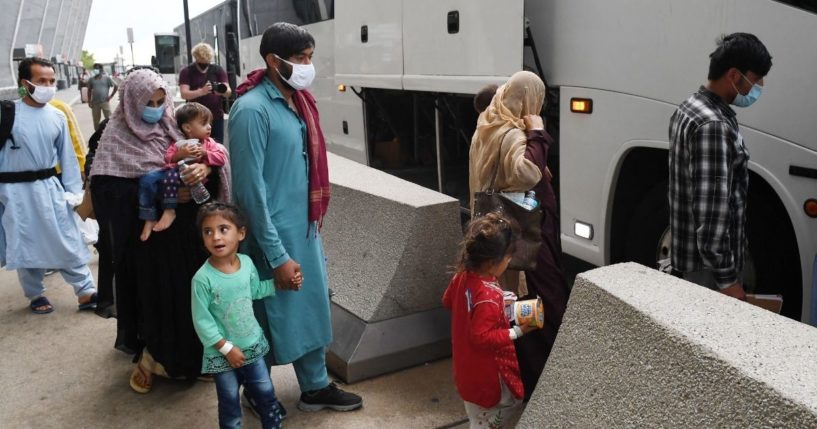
(115, 201)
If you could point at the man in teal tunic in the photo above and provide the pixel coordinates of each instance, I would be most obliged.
(277, 153)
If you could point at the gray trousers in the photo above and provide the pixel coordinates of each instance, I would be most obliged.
(705, 278)
(96, 109)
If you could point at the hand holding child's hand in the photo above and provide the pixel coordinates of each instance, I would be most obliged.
(289, 276)
(235, 357)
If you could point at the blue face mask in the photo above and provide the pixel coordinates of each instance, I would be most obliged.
(748, 99)
(152, 115)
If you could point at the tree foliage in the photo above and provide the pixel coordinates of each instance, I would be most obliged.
(87, 59)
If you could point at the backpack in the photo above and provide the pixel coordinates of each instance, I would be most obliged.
(6, 122)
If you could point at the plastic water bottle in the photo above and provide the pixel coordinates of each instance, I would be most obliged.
(530, 202)
(198, 191)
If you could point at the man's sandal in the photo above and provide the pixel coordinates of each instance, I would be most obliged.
(41, 305)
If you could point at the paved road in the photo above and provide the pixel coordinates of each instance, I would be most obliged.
(61, 371)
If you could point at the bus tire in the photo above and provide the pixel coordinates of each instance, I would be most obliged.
(648, 222)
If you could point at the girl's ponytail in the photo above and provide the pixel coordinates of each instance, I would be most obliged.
(487, 240)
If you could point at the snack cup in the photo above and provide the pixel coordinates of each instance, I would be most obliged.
(529, 312)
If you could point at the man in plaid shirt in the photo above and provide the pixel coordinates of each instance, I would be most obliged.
(708, 167)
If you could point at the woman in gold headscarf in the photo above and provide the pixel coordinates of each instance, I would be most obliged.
(512, 131)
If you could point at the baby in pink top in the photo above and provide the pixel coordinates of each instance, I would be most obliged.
(160, 188)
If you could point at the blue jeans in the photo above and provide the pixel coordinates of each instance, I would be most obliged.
(158, 185)
(255, 378)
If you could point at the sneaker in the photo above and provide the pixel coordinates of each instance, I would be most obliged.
(329, 397)
(249, 403)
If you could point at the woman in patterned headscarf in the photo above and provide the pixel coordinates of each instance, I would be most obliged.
(511, 132)
(152, 278)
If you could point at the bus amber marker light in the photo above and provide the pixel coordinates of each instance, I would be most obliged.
(581, 105)
(342, 88)
(583, 230)
(810, 207)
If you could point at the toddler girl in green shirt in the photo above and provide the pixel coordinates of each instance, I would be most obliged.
(222, 293)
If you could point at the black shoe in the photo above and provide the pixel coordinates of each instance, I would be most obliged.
(329, 397)
(249, 403)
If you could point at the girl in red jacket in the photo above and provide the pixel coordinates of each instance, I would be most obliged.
(486, 371)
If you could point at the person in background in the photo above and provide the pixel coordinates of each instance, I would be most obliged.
(708, 167)
(484, 96)
(83, 85)
(99, 89)
(37, 227)
(77, 140)
(206, 83)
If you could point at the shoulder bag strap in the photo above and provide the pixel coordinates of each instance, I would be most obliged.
(491, 188)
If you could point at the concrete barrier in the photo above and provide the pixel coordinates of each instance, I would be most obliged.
(639, 348)
(389, 245)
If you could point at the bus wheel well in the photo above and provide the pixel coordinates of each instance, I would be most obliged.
(773, 244)
(640, 214)
(641, 171)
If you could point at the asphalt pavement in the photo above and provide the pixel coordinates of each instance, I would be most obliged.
(60, 370)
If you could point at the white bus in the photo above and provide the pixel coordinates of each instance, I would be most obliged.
(409, 69)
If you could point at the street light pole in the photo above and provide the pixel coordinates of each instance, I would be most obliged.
(187, 33)
(130, 41)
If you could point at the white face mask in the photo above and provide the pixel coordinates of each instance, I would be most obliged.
(42, 94)
(302, 74)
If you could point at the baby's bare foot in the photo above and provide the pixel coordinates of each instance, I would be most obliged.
(146, 230)
(168, 216)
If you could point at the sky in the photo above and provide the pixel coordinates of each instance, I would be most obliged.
(109, 20)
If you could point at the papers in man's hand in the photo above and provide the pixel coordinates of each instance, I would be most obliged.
(773, 303)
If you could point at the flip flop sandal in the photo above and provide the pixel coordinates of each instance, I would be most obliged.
(41, 302)
(90, 305)
(147, 376)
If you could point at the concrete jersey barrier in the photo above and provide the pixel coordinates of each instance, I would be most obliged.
(389, 245)
(639, 348)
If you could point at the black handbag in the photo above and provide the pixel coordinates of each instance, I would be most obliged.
(529, 235)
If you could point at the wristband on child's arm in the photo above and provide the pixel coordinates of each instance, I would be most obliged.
(515, 332)
(226, 348)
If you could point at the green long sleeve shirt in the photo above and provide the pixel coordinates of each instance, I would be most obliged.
(222, 309)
